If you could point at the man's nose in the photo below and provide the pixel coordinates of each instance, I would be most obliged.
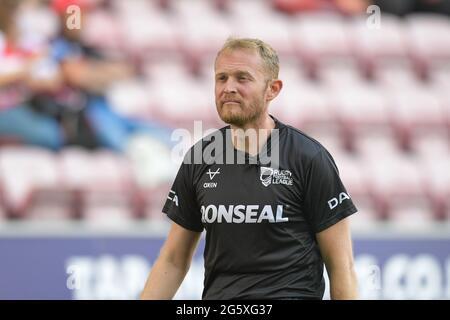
(230, 87)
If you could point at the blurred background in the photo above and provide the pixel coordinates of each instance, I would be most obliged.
(91, 91)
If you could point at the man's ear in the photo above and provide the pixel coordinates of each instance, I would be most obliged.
(274, 89)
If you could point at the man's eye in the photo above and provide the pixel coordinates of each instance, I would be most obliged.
(242, 78)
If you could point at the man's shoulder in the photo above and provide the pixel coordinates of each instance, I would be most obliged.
(301, 143)
(214, 139)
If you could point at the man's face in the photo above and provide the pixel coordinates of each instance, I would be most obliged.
(240, 86)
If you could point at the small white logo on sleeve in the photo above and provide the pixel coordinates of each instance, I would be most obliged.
(334, 202)
(173, 197)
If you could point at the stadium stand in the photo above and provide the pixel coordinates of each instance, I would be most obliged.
(379, 100)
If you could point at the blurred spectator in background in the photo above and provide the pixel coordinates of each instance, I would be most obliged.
(23, 71)
(88, 73)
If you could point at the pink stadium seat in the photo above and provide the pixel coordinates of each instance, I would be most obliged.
(360, 109)
(303, 104)
(145, 31)
(429, 40)
(396, 75)
(440, 77)
(414, 111)
(368, 146)
(153, 199)
(101, 30)
(367, 216)
(395, 181)
(437, 181)
(412, 216)
(131, 98)
(321, 37)
(431, 146)
(351, 168)
(278, 32)
(32, 186)
(102, 181)
(375, 46)
(200, 38)
(241, 9)
(337, 74)
(193, 101)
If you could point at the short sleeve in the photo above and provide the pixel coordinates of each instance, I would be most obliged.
(326, 199)
(181, 204)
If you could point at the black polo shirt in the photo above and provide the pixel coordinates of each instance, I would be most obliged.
(260, 216)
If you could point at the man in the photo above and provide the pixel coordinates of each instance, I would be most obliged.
(269, 227)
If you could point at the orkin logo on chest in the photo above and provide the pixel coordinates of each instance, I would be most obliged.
(242, 214)
(211, 175)
(274, 176)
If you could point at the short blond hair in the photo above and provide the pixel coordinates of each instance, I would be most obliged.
(266, 52)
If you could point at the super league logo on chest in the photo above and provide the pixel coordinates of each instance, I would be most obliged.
(274, 176)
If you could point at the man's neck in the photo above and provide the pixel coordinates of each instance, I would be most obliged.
(251, 137)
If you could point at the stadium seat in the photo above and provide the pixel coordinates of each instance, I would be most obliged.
(337, 74)
(395, 181)
(32, 184)
(398, 75)
(102, 182)
(414, 111)
(145, 31)
(131, 98)
(193, 101)
(429, 40)
(436, 178)
(277, 32)
(303, 104)
(374, 46)
(360, 110)
(320, 37)
(102, 31)
(440, 77)
(367, 216)
(350, 168)
(200, 38)
(412, 217)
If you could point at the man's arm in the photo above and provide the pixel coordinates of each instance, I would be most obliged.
(336, 248)
(172, 264)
